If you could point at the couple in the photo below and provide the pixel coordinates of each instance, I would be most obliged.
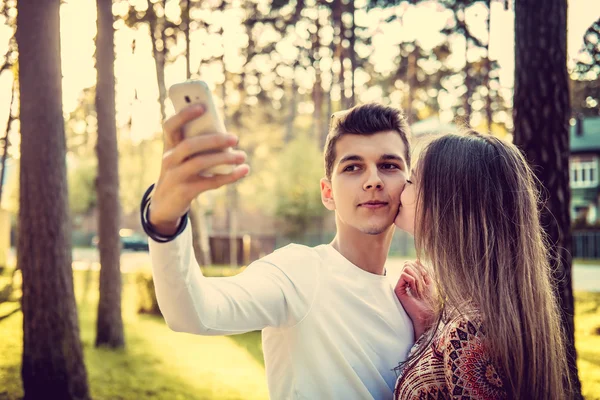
(479, 322)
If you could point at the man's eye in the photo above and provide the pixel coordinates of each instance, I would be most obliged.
(389, 166)
(351, 168)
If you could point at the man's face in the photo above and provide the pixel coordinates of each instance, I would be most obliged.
(368, 177)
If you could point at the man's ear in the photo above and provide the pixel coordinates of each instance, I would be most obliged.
(327, 194)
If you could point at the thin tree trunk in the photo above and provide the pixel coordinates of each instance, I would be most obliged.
(317, 93)
(199, 226)
(198, 219)
(326, 121)
(462, 25)
(293, 105)
(339, 31)
(541, 119)
(411, 73)
(157, 34)
(109, 325)
(488, 70)
(185, 8)
(351, 50)
(231, 189)
(52, 363)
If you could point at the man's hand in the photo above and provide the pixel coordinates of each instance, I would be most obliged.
(416, 292)
(181, 178)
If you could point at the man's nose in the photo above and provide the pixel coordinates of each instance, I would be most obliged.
(373, 181)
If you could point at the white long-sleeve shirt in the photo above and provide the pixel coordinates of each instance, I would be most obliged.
(330, 330)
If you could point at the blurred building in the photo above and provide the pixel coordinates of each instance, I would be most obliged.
(583, 174)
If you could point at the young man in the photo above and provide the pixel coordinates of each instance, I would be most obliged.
(331, 324)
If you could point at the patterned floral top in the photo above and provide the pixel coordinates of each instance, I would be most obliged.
(454, 366)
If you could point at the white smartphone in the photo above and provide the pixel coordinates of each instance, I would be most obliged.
(191, 92)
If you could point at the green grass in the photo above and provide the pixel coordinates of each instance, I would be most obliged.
(160, 364)
(587, 340)
(581, 262)
(157, 363)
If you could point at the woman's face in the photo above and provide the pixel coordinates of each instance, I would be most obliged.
(405, 219)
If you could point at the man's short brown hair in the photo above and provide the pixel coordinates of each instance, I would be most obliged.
(366, 119)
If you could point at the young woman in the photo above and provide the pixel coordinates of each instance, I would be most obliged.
(491, 328)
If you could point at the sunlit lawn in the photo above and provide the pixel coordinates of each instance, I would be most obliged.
(161, 364)
(157, 363)
(587, 339)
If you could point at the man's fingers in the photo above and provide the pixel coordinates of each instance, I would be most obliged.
(172, 126)
(214, 182)
(193, 167)
(210, 142)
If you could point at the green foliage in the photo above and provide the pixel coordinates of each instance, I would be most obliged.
(139, 167)
(298, 188)
(82, 185)
(589, 65)
(10, 192)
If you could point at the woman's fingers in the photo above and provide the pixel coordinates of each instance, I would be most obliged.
(406, 285)
(416, 279)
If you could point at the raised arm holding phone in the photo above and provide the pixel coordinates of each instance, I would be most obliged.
(332, 326)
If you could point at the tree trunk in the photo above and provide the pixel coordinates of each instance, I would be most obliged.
(462, 27)
(411, 77)
(200, 234)
(185, 19)
(198, 220)
(488, 70)
(339, 32)
(541, 119)
(157, 36)
(109, 325)
(52, 364)
(232, 195)
(317, 92)
(327, 119)
(351, 51)
(293, 106)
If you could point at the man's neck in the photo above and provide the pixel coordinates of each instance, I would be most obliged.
(368, 252)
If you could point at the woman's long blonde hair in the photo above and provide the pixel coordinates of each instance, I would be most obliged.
(478, 226)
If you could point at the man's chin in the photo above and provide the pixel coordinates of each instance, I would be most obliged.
(377, 229)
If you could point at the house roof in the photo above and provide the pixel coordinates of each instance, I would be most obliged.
(590, 140)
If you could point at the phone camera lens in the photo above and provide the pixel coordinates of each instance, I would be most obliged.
(187, 99)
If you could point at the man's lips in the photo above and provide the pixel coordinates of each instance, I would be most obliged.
(373, 204)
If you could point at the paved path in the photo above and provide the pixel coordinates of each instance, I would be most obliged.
(586, 277)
